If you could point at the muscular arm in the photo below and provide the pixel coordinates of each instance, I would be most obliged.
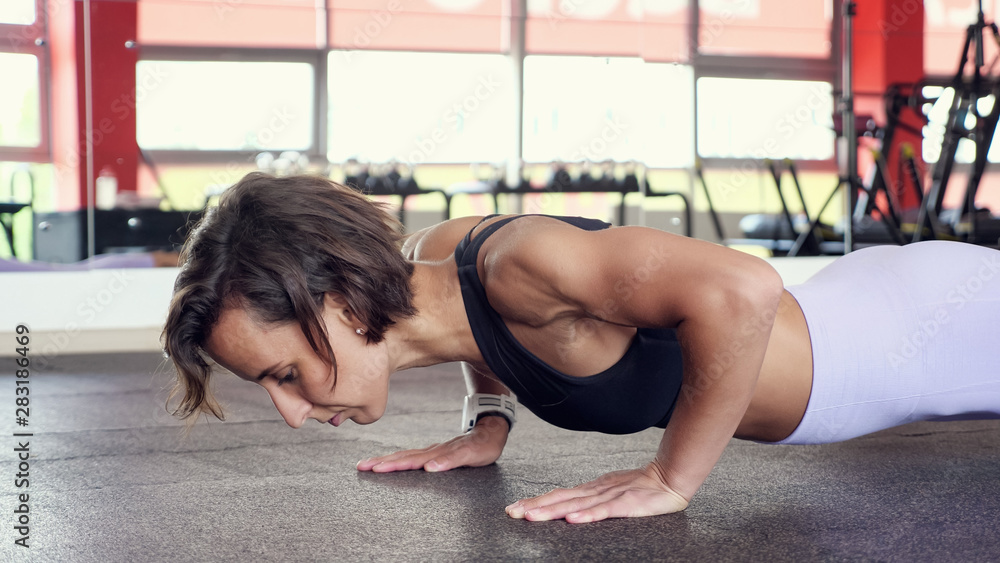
(721, 301)
(724, 347)
(479, 381)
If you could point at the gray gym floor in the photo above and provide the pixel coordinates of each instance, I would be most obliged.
(113, 479)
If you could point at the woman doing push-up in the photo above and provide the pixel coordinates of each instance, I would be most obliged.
(307, 288)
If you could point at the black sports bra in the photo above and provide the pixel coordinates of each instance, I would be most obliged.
(636, 393)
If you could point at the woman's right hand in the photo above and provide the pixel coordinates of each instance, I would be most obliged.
(480, 446)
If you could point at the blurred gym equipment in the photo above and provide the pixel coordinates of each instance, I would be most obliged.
(12, 204)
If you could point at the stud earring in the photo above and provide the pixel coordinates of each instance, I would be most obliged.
(360, 331)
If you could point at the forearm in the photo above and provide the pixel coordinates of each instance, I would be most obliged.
(478, 382)
(723, 353)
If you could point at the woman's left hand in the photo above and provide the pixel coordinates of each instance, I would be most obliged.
(620, 494)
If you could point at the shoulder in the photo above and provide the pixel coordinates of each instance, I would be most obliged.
(637, 276)
(438, 242)
(530, 241)
(517, 271)
(546, 247)
(534, 263)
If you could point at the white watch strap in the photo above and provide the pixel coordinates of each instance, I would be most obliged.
(482, 403)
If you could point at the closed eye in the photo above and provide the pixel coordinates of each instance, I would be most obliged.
(288, 378)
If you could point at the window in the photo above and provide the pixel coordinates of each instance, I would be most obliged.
(17, 12)
(749, 118)
(22, 97)
(202, 105)
(598, 108)
(20, 121)
(420, 107)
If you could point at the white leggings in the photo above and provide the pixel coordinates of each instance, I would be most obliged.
(901, 334)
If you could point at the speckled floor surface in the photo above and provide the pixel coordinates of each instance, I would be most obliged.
(113, 479)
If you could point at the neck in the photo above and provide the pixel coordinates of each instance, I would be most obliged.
(439, 332)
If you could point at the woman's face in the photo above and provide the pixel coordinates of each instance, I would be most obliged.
(300, 384)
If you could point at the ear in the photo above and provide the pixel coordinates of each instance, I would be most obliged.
(335, 304)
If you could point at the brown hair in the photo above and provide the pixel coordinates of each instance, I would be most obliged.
(275, 247)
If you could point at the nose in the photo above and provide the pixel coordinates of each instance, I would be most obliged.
(292, 407)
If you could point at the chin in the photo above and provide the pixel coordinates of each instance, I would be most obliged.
(365, 419)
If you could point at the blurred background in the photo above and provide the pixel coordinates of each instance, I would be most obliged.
(121, 120)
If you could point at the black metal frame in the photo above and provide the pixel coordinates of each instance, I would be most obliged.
(966, 96)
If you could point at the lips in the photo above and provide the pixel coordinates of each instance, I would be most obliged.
(336, 420)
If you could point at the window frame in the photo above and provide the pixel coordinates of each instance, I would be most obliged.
(316, 58)
(703, 65)
(32, 40)
(772, 68)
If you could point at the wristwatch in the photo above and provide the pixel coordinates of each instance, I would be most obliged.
(485, 404)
